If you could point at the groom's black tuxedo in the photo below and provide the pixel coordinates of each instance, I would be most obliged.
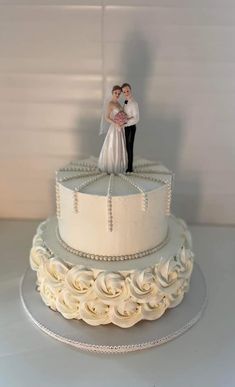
(130, 137)
(132, 110)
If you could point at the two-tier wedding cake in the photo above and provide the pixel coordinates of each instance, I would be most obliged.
(114, 253)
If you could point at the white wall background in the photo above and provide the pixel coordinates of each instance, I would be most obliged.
(179, 55)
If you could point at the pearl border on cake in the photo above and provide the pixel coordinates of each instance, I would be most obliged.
(112, 258)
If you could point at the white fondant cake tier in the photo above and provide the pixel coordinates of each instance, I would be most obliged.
(113, 215)
(103, 292)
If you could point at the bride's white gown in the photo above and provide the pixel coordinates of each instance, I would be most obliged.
(113, 155)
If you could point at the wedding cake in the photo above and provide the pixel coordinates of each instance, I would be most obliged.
(114, 253)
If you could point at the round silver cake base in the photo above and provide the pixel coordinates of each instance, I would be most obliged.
(110, 338)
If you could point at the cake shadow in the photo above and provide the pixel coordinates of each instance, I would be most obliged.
(161, 129)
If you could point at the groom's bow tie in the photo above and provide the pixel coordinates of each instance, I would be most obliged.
(126, 101)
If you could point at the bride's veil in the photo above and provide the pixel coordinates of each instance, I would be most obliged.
(104, 125)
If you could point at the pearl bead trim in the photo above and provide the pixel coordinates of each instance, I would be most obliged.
(152, 171)
(147, 164)
(109, 258)
(141, 170)
(83, 185)
(58, 208)
(84, 164)
(73, 168)
(66, 178)
(75, 201)
(109, 204)
(162, 181)
(144, 194)
(79, 165)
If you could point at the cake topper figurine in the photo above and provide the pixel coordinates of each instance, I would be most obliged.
(116, 155)
(132, 110)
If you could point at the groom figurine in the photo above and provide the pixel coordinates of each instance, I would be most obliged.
(132, 110)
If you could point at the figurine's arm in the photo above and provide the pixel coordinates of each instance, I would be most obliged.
(108, 116)
(134, 119)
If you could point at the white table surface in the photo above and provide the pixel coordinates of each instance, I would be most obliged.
(203, 356)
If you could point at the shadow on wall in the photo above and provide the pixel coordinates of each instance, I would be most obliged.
(87, 139)
(159, 133)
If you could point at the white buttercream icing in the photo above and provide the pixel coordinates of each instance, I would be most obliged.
(111, 287)
(143, 286)
(103, 296)
(80, 281)
(128, 220)
(127, 229)
(68, 304)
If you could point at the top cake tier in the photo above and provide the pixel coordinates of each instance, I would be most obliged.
(113, 217)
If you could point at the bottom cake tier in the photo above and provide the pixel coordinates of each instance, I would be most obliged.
(121, 292)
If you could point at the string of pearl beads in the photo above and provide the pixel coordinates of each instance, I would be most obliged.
(109, 204)
(83, 185)
(140, 189)
(58, 208)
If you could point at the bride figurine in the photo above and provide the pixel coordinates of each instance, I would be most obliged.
(113, 155)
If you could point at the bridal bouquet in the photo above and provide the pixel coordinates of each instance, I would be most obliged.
(120, 118)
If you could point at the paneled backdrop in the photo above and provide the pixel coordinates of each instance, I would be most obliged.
(179, 57)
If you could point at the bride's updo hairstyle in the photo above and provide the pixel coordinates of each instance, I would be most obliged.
(116, 87)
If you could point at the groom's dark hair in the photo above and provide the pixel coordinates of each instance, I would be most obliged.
(126, 85)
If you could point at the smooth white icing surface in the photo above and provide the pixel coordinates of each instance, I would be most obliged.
(138, 218)
(122, 297)
(176, 238)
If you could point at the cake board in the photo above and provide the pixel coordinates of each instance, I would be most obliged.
(110, 338)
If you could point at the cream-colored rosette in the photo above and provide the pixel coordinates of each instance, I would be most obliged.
(122, 297)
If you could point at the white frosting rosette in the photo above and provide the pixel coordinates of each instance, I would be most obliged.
(186, 262)
(175, 299)
(126, 314)
(101, 297)
(167, 277)
(111, 287)
(51, 275)
(41, 227)
(68, 304)
(95, 312)
(38, 240)
(173, 276)
(55, 270)
(38, 256)
(155, 308)
(143, 286)
(49, 293)
(187, 234)
(79, 281)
